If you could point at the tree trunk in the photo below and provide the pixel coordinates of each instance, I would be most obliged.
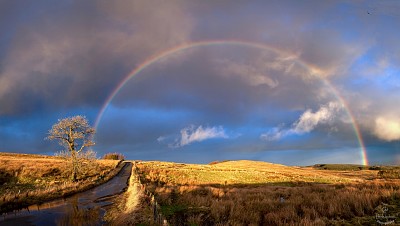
(73, 176)
(74, 166)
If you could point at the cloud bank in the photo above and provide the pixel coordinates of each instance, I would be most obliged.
(387, 129)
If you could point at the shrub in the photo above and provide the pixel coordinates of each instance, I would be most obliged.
(114, 156)
(5, 177)
(375, 168)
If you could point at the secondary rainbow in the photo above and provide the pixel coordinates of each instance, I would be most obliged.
(186, 46)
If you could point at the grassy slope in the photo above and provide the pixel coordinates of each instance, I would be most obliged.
(27, 179)
(250, 192)
(247, 172)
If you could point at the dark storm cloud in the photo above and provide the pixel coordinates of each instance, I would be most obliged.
(74, 54)
(59, 59)
(224, 91)
(51, 60)
(82, 50)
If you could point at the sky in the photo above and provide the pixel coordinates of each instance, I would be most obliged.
(290, 82)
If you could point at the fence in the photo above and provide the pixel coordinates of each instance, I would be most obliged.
(151, 200)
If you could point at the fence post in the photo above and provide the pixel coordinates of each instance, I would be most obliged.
(155, 211)
(151, 200)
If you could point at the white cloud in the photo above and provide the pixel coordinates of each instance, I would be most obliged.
(274, 134)
(387, 129)
(161, 139)
(191, 134)
(307, 122)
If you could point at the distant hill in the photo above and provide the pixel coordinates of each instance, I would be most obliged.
(351, 167)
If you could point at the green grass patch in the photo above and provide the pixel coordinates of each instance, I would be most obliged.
(171, 210)
(344, 167)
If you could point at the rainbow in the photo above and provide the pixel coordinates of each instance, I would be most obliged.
(314, 71)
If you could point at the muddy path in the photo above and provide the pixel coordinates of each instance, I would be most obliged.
(85, 208)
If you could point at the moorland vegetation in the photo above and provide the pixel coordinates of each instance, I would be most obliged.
(259, 193)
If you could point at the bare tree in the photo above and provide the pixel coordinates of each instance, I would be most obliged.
(75, 134)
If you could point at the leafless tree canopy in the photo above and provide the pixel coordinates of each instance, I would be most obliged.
(75, 134)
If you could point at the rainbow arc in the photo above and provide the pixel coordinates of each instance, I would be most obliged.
(314, 71)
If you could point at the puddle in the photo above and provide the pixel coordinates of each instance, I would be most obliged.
(85, 208)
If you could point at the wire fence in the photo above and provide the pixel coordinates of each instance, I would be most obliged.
(151, 200)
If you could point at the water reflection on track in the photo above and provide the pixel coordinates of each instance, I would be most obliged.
(85, 208)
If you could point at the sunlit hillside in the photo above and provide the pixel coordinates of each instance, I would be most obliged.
(247, 172)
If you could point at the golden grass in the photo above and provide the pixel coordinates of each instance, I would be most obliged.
(246, 172)
(259, 193)
(29, 179)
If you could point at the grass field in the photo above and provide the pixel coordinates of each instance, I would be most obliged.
(28, 179)
(222, 193)
(259, 193)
